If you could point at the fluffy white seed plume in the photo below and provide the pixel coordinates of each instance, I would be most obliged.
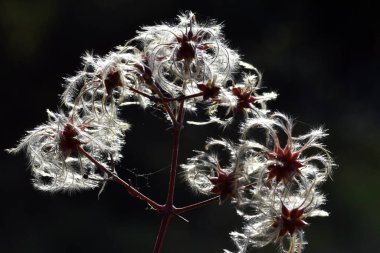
(183, 54)
(271, 175)
(52, 149)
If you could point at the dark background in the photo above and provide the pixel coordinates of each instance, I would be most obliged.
(322, 57)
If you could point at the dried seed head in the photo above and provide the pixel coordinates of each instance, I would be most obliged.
(68, 142)
(290, 221)
(283, 165)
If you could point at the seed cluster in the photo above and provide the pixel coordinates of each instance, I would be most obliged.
(273, 181)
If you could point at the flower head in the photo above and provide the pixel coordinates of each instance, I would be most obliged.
(219, 172)
(302, 159)
(105, 82)
(54, 152)
(232, 99)
(183, 54)
(279, 218)
(272, 178)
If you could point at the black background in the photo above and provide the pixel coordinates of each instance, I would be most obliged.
(322, 57)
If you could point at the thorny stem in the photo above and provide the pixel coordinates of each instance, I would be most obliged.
(131, 190)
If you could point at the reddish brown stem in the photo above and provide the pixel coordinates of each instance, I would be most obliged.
(165, 99)
(141, 93)
(172, 176)
(196, 205)
(131, 190)
(173, 170)
(168, 209)
(161, 233)
(182, 98)
(160, 99)
(193, 95)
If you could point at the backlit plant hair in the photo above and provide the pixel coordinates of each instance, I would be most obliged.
(273, 182)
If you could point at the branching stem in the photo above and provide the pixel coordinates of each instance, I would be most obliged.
(167, 210)
(131, 190)
(196, 205)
